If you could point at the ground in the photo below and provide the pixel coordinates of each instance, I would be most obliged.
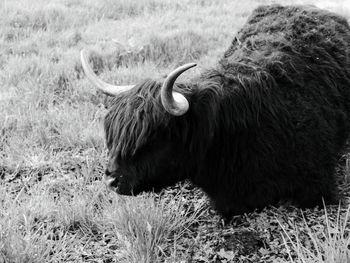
(53, 206)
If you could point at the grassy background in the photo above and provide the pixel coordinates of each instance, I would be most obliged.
(53, 207)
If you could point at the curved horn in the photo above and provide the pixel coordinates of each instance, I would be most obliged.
(175, 103)
(106, 88)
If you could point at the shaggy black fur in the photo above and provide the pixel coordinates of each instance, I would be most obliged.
(268, 124)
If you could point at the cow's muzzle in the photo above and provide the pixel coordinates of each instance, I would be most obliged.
(111, 181)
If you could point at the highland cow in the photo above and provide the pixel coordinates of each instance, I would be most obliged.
(266, 124)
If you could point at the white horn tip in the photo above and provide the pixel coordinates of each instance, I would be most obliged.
(182, 104)
(83, 53)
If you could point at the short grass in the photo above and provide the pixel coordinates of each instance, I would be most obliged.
(53, 207)
(320, 243)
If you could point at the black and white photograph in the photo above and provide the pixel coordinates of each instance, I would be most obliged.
(175, 131)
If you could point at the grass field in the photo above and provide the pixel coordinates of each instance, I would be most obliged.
(53, 207)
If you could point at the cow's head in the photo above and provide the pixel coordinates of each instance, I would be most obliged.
(142, 132)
